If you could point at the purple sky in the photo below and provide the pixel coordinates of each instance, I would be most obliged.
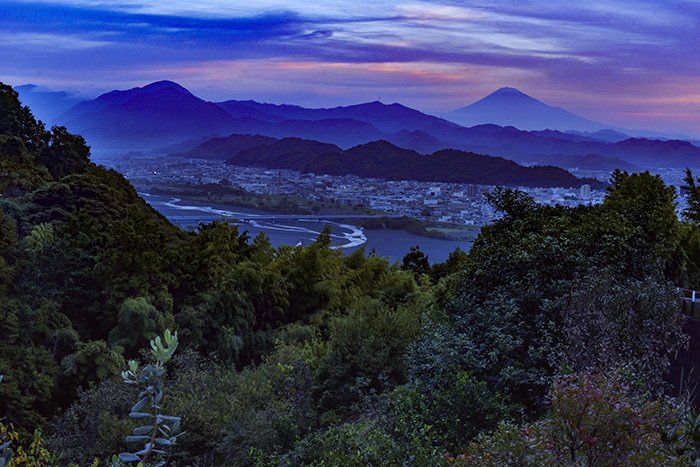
(635, 64)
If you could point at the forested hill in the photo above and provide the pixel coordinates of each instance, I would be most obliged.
(382, 159)
(89, 273)
(508, 355)
(76, 241)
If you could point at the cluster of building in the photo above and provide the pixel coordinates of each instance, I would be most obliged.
(446, 202)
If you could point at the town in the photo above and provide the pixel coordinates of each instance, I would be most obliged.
(463, 204)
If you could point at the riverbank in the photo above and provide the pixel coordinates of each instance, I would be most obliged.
(303, 230)
(234, 197)
(429, 229)
(237, 197)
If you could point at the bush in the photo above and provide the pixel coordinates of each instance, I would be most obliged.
(13, 452)
(594, 418)
(360, 443)
(365, 354)
(613, 321)
(94, 426)
(456, 411)
(272, 405)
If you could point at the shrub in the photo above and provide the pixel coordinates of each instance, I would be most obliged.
(594, 418)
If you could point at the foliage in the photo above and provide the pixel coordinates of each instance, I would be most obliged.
(273, 404)
(594, 419)
(612, 321)
(684, 437)
(455, 262)
(307, 356)
(40, 238)
(416, 261)
(95, 425)
(507, 308)
(692, 212)
(15, 453)
(512, 203)
(455, 412)
(364, 354)
(139, 323)
(91, 362)
(359, 443)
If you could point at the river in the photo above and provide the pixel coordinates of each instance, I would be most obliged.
(302, 230)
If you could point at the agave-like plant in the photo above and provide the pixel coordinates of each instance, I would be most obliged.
(159, 432)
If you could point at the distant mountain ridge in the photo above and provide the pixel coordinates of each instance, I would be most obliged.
(390, 118)
(159, 113)
(46, 104)
(225, 148)
(381, 159)
(511, 107)
(164, 114)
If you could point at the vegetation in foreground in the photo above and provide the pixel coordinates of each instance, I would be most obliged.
(546, 344)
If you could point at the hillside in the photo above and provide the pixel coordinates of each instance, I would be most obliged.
(308, 356)
(287, 153)
(225, 148)
(525, 146)
(164, 114)
(157, 114)
(46, 104)
(389, 118)
(381, 159)
(588, 162)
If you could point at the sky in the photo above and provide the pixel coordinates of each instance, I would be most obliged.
(631, 63)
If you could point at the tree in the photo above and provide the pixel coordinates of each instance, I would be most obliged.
(18, 120)
(647, 205)
(138, 323)
(610, 321)
(594, 418)
(91, 362)
(455, 262)
(416, 261)
(513, 203)
(692, 212)
(65, 153)
(508, 305)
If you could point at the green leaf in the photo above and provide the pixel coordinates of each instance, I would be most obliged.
(138, 415)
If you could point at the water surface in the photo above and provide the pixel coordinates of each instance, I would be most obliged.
(301, 230)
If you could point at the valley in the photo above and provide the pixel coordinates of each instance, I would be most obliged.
(420, 233)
